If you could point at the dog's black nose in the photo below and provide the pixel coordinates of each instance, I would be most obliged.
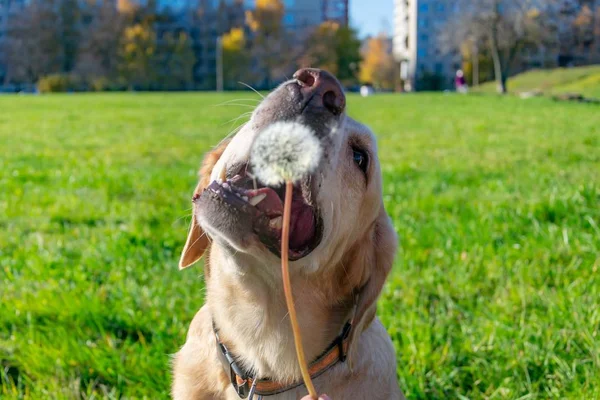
(321, 89)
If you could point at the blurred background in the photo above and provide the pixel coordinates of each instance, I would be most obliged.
(495, 291)
(404, 45)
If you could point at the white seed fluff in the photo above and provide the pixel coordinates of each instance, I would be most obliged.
(285, 151)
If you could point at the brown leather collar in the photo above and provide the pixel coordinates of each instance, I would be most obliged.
(244, 384)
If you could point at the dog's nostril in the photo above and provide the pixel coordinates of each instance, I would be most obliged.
(305, 77)
(332, 102)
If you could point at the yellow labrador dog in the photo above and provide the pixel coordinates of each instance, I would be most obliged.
(342, 246)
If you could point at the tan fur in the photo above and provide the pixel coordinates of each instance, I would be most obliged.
(245, 298)
(197, 241)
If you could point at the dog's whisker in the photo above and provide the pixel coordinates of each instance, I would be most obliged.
(238, 105)
(251, 88)
(236, 130)
(234, 120)
(186, 215)
(235, 101)
(284, 317)
(199, 237)
(179, 219)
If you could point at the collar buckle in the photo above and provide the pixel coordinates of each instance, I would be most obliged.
(241, 387)
(238, 378)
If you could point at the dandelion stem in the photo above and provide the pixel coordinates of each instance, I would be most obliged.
(287, 289)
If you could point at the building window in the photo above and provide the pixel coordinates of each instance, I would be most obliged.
(422, 52)
(424, 7)
(441, 7)
(424, 37)
(439, 68)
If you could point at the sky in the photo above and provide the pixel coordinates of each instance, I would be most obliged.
(372, 16)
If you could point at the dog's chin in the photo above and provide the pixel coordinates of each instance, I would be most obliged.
(248, 216)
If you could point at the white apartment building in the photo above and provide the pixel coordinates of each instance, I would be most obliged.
(424, 63)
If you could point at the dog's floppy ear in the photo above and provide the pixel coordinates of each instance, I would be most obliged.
(197, 242)
(378, 259)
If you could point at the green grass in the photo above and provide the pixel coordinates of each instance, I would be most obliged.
(581, 80)
(495, 293)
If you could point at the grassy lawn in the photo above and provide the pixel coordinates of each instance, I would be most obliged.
(582, 80)
(496, 289)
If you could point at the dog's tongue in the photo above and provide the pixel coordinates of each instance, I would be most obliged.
(302, 221)
(302, 224)
(271, 206)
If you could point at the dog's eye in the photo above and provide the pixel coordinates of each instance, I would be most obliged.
(361, 159)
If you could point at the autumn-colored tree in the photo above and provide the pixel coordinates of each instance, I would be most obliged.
(320, 47)
(128, 7)
(236, 62)
(378, 66)
(334, 48)
(137, 52)
(266, 17)
(268, 40)
(477, 64)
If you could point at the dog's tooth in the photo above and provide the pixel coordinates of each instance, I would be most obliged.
(257, 199)
(276, 223)
(223, 174)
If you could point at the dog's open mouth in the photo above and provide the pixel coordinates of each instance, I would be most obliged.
(263, 205)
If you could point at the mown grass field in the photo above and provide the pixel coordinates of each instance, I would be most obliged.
(495, 292)
(580, 80)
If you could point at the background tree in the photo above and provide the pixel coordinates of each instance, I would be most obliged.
(378, 67)
(99, 50)
(268, 39)
(128, 8)
(334, 48)
(70, 18)
(33, 48)
(477, 64)
(584, 30)
(505, 27)
(137, 51)
(236, 61)
(230, 14)
(176, 61)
